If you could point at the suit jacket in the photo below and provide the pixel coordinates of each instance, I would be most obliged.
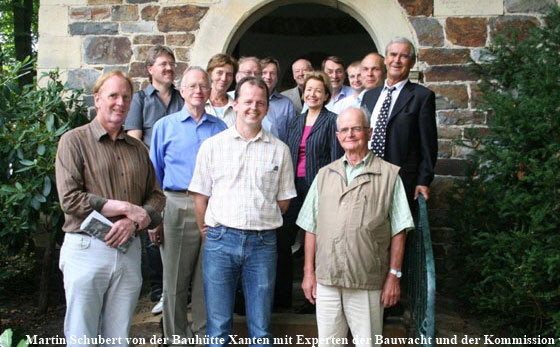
(411, 138)
(321, 147)
(293, 94)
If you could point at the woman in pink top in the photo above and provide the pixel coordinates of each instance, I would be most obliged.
(313, 144)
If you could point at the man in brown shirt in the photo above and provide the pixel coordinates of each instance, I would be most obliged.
(99, 167)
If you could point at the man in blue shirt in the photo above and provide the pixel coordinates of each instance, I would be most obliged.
(174, 147)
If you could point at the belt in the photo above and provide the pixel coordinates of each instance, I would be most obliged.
(184, 191)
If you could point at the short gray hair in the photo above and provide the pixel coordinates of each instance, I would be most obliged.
(363, 111)
(196, 68)
(400, 39)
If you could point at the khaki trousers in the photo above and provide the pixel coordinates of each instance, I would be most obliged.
(182, 268)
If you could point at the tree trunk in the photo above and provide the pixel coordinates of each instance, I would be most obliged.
(46, 268)
(23, 14)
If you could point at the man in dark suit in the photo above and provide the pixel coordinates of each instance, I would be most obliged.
(407, 131)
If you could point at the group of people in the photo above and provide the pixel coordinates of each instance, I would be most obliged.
(224, 180)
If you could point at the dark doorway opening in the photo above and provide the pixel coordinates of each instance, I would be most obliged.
(307, 31)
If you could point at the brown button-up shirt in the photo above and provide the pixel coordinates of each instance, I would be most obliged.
(92, 168)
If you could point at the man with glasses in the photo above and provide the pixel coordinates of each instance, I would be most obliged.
(353, 256)
(157, 100)
(175, 143)
(251, 67)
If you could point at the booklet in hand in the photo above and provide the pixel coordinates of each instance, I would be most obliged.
(97, 225)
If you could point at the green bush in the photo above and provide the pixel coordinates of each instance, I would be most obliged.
(32, 119)
(508, 222)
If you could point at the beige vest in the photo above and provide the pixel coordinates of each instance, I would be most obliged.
(353, 228)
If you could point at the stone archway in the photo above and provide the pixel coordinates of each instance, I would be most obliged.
(228, 20)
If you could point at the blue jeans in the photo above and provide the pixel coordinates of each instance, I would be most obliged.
(228, 255)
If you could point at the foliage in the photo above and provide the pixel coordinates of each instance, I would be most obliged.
(31, 122)
(7, 337)
(508, 225)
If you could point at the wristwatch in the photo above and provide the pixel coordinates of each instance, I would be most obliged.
(395, 272)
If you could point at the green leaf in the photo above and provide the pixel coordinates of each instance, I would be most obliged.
(47, 186)
(40, 198)
(27, 162)
(6, 338)
(19, 186)
(50, 122)
(35, 204)
(23, 343)
(41, 149)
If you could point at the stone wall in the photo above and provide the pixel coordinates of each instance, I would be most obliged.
(87, 37)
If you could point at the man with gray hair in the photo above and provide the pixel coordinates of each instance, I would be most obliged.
(353, 256)
(251, 67)
(175, 143)
(404, 121)
(299, 68)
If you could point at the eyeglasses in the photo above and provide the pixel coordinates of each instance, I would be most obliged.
(166, 64)
(346, 131)
(250, 73)
(192, 87)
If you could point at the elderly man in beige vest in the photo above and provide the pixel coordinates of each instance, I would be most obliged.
(356, 216)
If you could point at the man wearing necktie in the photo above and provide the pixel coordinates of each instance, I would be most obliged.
(403, 121)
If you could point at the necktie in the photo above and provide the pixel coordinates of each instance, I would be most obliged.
(378, 137)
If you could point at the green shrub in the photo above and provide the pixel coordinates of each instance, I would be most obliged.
(508, 222)
(32, 119)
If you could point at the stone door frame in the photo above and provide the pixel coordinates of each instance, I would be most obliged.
(228, 20)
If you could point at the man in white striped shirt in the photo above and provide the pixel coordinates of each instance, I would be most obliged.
(243, 182)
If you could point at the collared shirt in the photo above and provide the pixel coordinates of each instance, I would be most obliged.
(244, 180)
(229, 113)
(344, 92)
(146, 110)
(282, 110)
(352, 101)
(400, 216)
(91, 168)
(175, 143)
(394, 96)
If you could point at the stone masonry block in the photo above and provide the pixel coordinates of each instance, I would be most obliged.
(418, 7)
(137, 27)
(99, 13)
(140, 52)
(58, 27)
(503, 25)
(182, 54)
(124, 13)
(107, 50)
(460, 117)
(444, 148)
(533, 6)
(149, 13)
(468, 32)
(450, 133)
(137, 69)
(80, 28)
(443, 56)
(181, 18)
(148, 40)
(183, 40)
(428, 31)
(62, 51)
(442, 73)
(82, 79)
(80, 13)
(451, 167)
(450, 96)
